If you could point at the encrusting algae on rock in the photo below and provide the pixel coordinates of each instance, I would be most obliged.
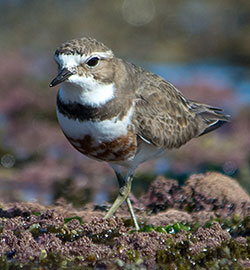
(204, 224)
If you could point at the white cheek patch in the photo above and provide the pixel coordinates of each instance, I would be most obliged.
(106, 130)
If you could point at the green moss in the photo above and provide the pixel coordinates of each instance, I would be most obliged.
(175, 228)
(61, 232)
(37, 214)
(36, 230)
(66, 220)
(226, 256)
(65, 234)
(133, 255)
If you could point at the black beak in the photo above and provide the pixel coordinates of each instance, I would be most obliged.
(63, 75)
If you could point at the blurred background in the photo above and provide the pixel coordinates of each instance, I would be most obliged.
(202, 47)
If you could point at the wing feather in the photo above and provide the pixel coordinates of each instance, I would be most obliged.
(165, 118)
(162, 114)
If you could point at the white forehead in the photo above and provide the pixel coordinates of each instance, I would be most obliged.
(72, 60)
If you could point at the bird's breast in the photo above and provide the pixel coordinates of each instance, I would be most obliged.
(110, 139)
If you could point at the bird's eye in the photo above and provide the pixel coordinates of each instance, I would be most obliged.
(92, 62)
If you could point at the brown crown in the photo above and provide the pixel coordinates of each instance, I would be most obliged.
(81, 46)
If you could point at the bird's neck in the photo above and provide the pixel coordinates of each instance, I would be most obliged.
(85, 105)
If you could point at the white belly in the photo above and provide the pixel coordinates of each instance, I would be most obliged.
(106, 130)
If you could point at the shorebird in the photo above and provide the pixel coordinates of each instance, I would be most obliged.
(114, 111)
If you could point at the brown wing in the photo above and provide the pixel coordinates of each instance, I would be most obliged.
(165, 118)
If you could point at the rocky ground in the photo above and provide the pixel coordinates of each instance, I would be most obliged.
(204, 224)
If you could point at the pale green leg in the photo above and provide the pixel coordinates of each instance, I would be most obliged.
(125, 187)
(132, 214)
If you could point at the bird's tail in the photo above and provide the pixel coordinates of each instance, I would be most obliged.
(212, 117)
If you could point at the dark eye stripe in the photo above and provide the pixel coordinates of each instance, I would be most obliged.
(93, 61)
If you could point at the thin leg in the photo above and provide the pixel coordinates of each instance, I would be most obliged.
(122, 196)
(128, 201)
(125, 187)
(132, 214)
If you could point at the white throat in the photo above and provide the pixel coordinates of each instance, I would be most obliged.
(86, 91)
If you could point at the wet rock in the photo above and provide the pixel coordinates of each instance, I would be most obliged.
(163, 194)
(203, 195)
(170, 216)
(177, 237)
(209, 238)
(216, 192)
(202, 217)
